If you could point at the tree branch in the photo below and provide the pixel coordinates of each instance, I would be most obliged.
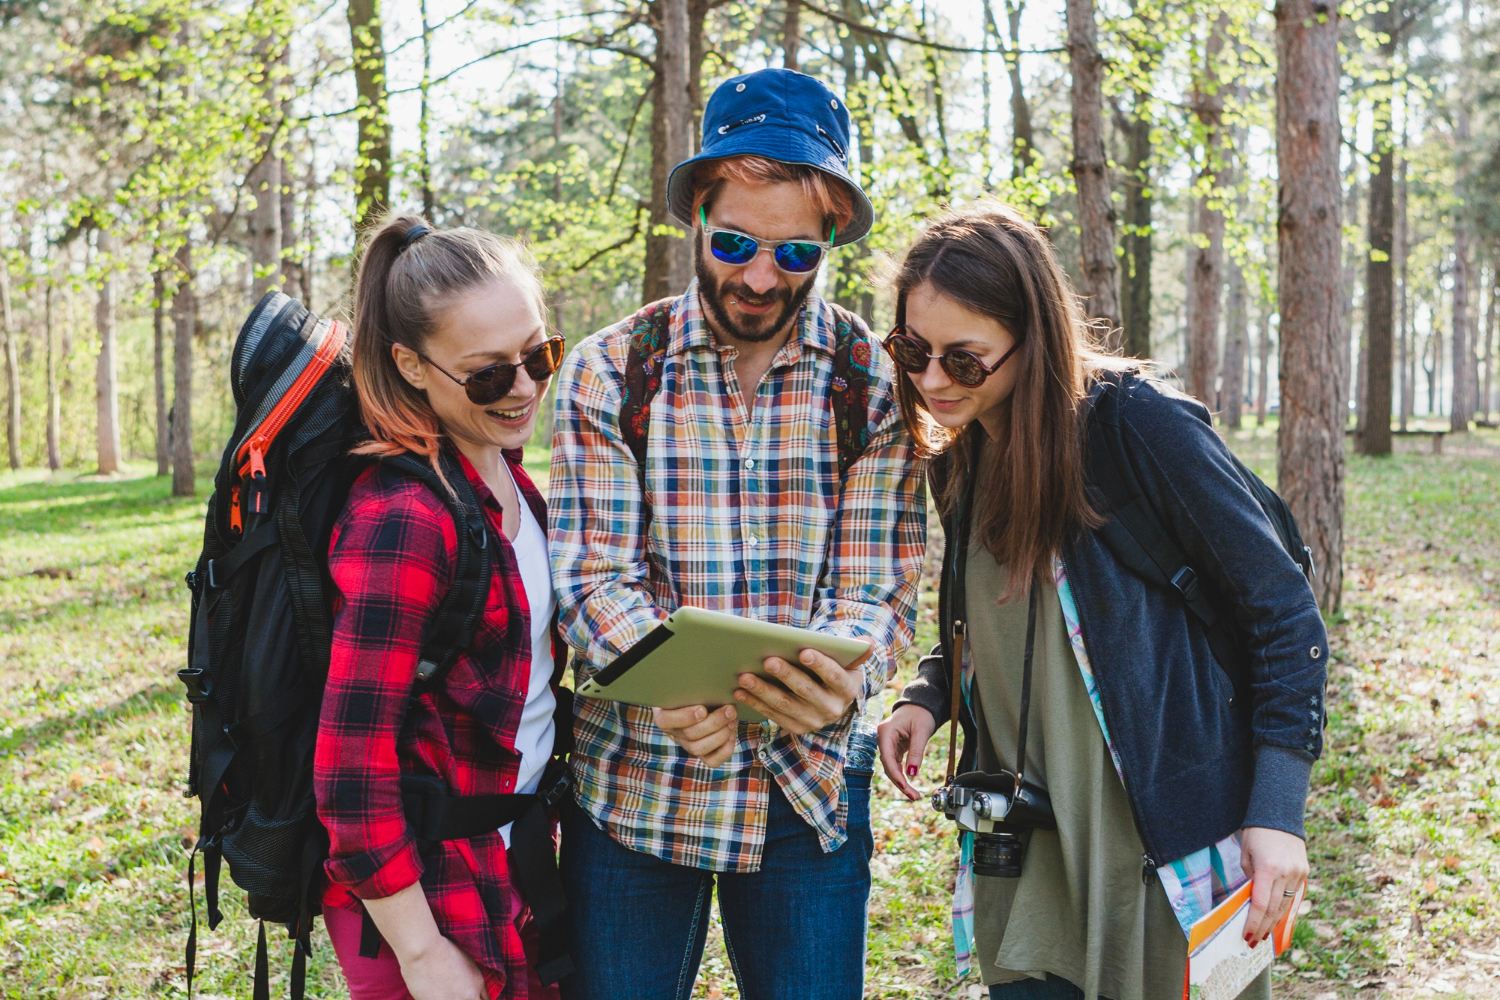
(895, 36)
(634, 230)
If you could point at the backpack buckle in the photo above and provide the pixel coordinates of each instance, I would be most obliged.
(198, 689)
(555, 785)
(1186, 583)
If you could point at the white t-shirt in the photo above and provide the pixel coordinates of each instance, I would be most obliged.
(534, 738)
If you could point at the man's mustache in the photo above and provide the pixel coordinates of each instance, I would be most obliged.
(748, 297)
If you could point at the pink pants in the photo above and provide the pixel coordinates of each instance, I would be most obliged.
(377, 978)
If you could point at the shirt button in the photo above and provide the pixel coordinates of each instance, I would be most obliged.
(752, 541)
(749, 463)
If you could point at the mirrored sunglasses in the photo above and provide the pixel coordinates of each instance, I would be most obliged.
(912, 355)
(493, 382)
(735, 248)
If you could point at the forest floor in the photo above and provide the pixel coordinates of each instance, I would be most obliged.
(1404, 825)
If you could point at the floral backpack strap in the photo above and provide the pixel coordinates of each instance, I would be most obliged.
(649, 332)
(851, 388)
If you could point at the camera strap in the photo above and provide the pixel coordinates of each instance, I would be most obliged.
(1026, 685)
(956, 688)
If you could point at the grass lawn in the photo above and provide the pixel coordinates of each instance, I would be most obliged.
(94, 830)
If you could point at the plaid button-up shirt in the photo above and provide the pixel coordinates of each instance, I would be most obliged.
(747, 515)
(392, 557)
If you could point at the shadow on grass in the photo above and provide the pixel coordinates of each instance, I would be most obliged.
(88, 720)
(41, 508)
(83, 600)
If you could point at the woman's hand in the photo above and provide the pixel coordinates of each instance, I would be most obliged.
(1276, 862)
(431, 965)
(442, 972)
(903, 740)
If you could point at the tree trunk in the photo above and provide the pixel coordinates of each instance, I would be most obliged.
(668, 255)
(1310, 442)
(1023, 142)
(1096, 216)
(1205, 276)
(1138, 234)
(1487, 338)
(1232, 377)
(1432, 360)
(850, 291)
(791, 33)
(159, 369)
(291, 264)
(1263, 365)
(372, 163)
(264, 182)
(424, 120)
(12, 370)
(1463, 352)
(106, 400)
(291, 261)
(1403, 306)
(184, 323)
(54, 405)
(1375, 426)
(265, 225)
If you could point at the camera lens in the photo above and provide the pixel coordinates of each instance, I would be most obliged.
(998, 855)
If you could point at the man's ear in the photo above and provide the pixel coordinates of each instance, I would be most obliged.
(410, 365)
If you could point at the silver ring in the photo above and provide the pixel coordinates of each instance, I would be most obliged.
(1289, 893)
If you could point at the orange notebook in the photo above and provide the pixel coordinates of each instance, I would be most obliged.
(1220, 963)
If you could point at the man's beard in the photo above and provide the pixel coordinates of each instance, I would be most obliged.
(714, 296)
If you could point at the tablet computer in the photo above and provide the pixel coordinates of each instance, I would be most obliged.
(695, 657)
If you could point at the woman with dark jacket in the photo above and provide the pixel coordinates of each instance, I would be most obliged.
(1173, 776)
(451, 360)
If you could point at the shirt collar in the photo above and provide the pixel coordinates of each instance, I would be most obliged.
(689, 329)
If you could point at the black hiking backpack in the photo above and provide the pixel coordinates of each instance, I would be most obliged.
(258, 645)
(1137, 535)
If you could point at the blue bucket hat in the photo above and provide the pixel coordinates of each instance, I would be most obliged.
(779, 114)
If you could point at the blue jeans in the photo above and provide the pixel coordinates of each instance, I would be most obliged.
(1051, 988)
(794, 929)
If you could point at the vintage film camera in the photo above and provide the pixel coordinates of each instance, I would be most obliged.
(997, 809)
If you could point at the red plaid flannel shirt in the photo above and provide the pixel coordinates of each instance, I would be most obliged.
(392, 556)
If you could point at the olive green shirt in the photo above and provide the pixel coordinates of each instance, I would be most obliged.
(1080, 909)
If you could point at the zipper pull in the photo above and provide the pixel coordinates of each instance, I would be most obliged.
(1148, 869)
(257, 460)
(255, 486)
(236, 522)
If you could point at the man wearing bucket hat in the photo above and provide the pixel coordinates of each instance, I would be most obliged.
(736, 448)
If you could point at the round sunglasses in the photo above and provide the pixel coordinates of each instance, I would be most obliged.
(912, 355)
(738, 249)
(492, 382)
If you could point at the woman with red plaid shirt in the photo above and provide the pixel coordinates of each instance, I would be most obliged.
(451, 351)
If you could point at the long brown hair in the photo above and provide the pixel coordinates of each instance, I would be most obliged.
(992, 260)
(406, 277)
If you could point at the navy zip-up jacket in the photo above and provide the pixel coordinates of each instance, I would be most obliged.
(1205, 748)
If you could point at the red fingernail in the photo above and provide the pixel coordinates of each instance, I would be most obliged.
(911, 770)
